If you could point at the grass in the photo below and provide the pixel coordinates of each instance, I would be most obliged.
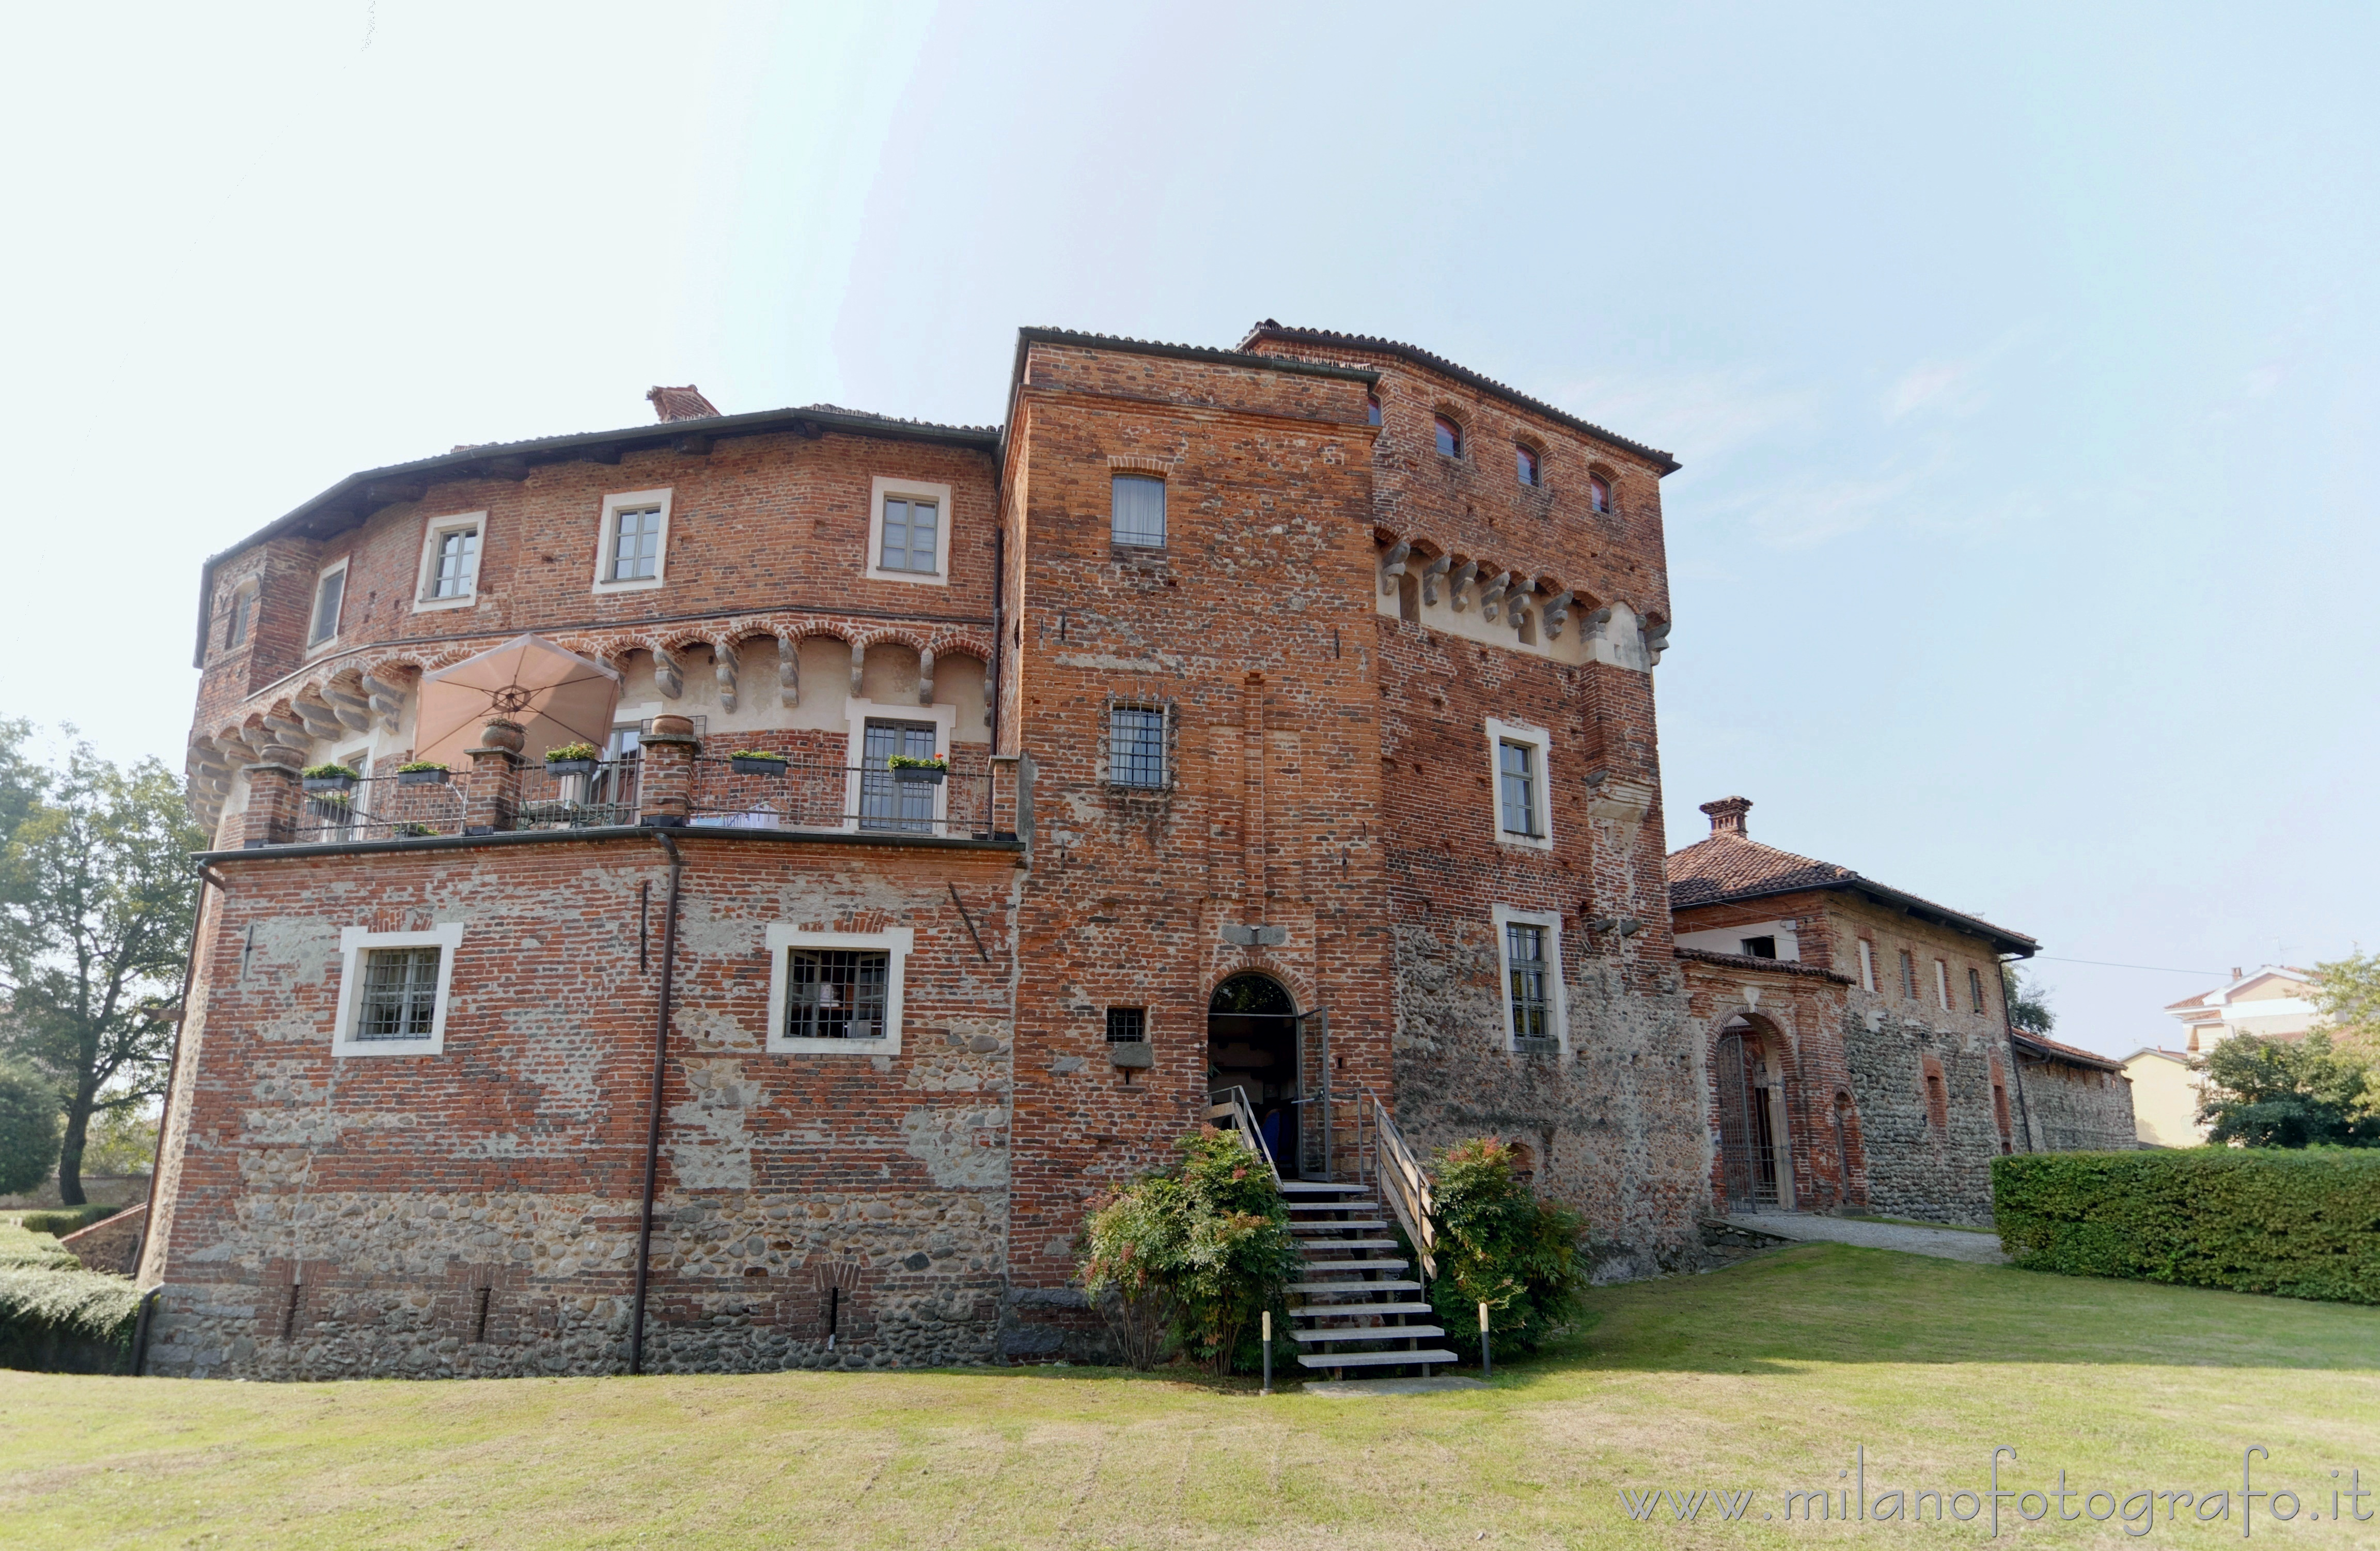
(1766, 1376)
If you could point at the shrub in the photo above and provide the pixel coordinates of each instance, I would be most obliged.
(66, 1321)
(29, 1122)
(21, 1251)
(1203, 1245)
(66, 1219)
(2295, 1224)
(2269, 1093)
(1500, 1245)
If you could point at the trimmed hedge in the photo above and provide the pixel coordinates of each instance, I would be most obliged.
(2295, 1224)
(66, 1321)
(58, 1222)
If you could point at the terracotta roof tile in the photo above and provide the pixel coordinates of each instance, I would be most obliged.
(1727, 867)
(2070, 1054)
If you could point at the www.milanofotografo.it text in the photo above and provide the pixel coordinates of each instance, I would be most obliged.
(2000, 1500)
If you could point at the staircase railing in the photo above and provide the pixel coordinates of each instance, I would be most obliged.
(1399, 1176)
(1231, 1104)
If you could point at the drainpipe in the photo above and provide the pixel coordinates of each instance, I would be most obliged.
(2016, 1062)
(653, 1115)
(165, 1110)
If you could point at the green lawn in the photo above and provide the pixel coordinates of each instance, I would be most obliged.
(1764, 1376)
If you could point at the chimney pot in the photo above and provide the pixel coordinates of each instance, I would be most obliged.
(1727, 815)
(2235, 972)
(680, 403)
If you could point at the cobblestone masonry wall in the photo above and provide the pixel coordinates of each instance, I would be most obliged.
(2075, 1109)
(474, 1211)
(1797, 1012)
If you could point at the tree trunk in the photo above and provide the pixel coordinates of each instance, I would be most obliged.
(70, 1154)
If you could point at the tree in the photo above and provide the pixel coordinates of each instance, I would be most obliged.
(2028, 1002)
(29, 1128)
(2269, 1093)
(96, 897)
(2346, 992)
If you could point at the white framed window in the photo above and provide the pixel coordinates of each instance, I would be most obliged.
(393, 989)
(908, 532)
(1519, 768)
(1138, 507)
(450, 562)
(632, 540)
(1867, 964)
(836, 993)
(330, 600)
(875, 799)
(1942, 985)
(1529, 979)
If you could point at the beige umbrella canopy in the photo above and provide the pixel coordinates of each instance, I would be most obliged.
(558, 696)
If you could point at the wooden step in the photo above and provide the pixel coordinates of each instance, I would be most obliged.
(1313, 1245)
(1323, 1187)
(1354, 1287)
(1353, 1224)
(1342, 1311)
(1374, 1359)
(1314, 1266)
(1369, 1333)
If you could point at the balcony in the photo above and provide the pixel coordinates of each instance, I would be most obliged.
(797, 795)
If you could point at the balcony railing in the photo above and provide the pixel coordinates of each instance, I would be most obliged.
(578, 799)
(380, 807)
(869, 800)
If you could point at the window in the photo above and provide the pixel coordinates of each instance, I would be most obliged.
(1942, 984)
(1371, 409)
(1760, 948)
(392, 990)
(2000, 1110)
(835, 993)
(1528, 461)
(1518, 767)
(450, 562)
(1867, 964)
(886, 800)
(632, 549)
(1599, 493)
(1937, 1100)
(329, 593)
(908, 532)
(1139, 509)
(1450, 438)
(1127, 1025)
(243, 606)
(1908, 975)
(1528, 950)
(1137, 746)
(1975, 989)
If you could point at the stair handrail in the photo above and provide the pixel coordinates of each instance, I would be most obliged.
(1401, 1178)
(1232, 1102)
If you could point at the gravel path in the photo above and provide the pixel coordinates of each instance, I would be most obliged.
(1945, 1243)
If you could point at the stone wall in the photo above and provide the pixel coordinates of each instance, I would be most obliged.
(1926, 1160)
(2072, 1107)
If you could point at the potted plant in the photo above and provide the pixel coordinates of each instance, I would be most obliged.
(756, 761)
(572, 758)
(421, 773)
(907, 767)
(415, 830)
(333, 777)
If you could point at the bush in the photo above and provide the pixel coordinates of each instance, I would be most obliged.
(2269, 1093)
(66, 1321)
(66, 1219)
(29, 1123)
(1203, 1247)
(1498, 1244)
(39, 1251)
(2295, 1224)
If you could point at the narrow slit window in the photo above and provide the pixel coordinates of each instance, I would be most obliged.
(1525, 960)
(1139, 510)
(1137, 746)
(329, 593)
(1516, 765)
(243, 604)
(1371, 409)
(1942, 984)
(912, 536)
(1599, 493)
(1975, 989)
(1867, 964)
(1450, 438)
(1527, 465)
(636, 544)
(400, 993)
(834, 994)
(1908, 975)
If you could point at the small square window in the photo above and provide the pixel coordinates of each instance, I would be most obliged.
(1137, 746)
(1127, 1025)
(834, 994)
(392, 991)
(1760, 948)
(400, 993)
(912, 536)
(1139, 510)
(330, 594)
(1450, 438)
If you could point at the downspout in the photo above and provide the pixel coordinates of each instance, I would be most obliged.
(2016, 1062)
(653, 1115)
(165, 1111)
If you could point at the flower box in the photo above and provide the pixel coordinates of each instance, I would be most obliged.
(756, 765)
(423, 777)
(929, 774)
(570, 768)
(330, 783)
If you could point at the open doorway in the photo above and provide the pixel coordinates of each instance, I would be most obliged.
(1754, 1160)
(1251, 1044)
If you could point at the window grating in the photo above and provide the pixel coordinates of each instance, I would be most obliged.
(636, 544)
(1127, 1025)
(1139, 509)
(400, 998)
(1137, 746)
(911, 529)
(1525, 960)
(834, 994)
(1516, 768)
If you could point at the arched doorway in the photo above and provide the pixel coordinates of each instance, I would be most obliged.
(1755, 1170)
(1252, 1043)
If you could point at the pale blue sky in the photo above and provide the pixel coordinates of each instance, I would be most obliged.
(2023, 361)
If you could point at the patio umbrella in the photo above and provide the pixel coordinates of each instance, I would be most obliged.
(558, 696)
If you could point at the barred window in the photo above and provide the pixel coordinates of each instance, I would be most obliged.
(400, 993)
(1139, 509)
(911, 529)
(834, 994)
(1137, 746)
(1127, 1025)
(1524, 959)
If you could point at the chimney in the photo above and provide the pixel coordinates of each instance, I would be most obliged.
(2235, 972)
(1727, 815)
(681, 403)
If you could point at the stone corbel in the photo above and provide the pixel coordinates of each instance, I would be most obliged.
(1491, 597)
(1429, 575)
(726, 663)
(1619, 799)
(388, 700)
(1555, 612)
(1462, 577)
(789, 670)
(310, 721)
(1393, 565)
(352, 710)
(926, 676)
(669, 674)
(1657, 640)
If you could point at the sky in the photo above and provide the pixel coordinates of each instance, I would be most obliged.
(2022, 360)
